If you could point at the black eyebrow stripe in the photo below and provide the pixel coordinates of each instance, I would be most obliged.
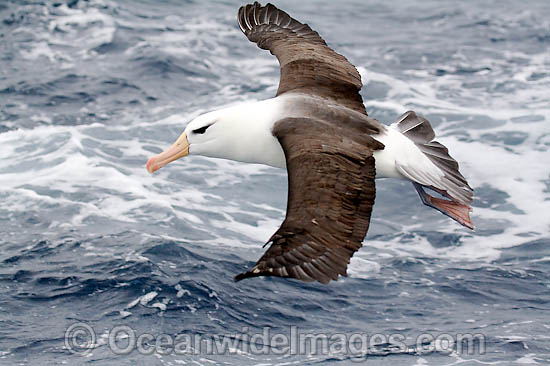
(202, 129)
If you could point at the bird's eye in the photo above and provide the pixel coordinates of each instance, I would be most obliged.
(201, 130)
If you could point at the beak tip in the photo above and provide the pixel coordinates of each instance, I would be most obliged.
(178, 149)
(150, 168)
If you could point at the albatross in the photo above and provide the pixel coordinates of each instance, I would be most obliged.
(317, 128)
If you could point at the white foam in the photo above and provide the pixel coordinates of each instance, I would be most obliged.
(159, 305)
(100, 27)
(124, 314)
(68, 34)
(145, 299)
(363, 268)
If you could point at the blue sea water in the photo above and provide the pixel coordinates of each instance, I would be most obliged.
(90, 241)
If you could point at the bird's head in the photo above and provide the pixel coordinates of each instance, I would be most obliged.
(241, 133)
(205, 135)
(226, 133)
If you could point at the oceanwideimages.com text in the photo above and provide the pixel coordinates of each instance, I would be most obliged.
(81, 338)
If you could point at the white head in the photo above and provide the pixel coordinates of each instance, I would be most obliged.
(241, 133)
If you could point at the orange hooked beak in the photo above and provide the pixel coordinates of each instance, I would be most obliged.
(179, 149)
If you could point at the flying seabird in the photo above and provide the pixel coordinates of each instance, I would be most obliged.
(318, 129)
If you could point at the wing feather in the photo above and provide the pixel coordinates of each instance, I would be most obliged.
(330, 199)
(307, 63)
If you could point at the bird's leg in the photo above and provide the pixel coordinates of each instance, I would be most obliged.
(456, 211)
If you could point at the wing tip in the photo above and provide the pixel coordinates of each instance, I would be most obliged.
(255, 14)
(255, 272)
(247, 16)
(241, 276)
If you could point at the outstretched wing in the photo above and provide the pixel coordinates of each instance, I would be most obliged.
(330, 197)
(307, 63)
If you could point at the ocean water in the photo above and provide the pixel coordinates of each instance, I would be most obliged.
(102, 263)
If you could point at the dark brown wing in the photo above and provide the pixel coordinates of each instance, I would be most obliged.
(330, 197)
(307, 63)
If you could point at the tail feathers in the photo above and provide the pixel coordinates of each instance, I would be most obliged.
(415, 127)
(452, 184)
(439, 155)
